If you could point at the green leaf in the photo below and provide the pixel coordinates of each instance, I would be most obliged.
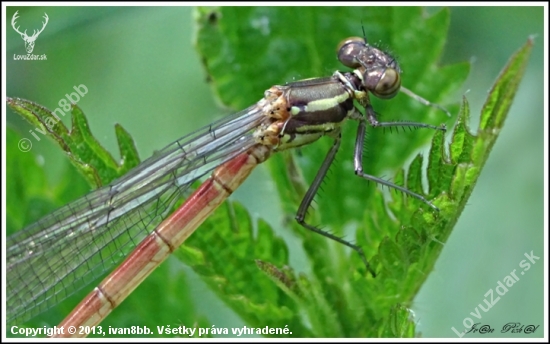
(223, 253)
(84, 151)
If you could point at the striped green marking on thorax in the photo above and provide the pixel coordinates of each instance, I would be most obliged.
(316, 109)
(321, 104)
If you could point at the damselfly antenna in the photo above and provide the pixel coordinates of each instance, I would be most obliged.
(424, 101)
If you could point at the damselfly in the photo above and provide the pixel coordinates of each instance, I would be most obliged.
(82, 239)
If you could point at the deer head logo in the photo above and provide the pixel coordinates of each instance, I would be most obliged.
(29, 40)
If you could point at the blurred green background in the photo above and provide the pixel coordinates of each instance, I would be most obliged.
(141, 71)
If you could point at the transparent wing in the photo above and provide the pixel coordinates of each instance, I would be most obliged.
(66, 250)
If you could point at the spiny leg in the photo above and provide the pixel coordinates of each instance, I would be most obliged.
(371, 117)
(359, 146)
(310, 194)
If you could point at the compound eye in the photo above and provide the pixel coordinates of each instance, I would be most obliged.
(348, 49)
(388, 85)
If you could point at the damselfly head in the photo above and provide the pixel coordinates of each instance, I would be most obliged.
(379, 71)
